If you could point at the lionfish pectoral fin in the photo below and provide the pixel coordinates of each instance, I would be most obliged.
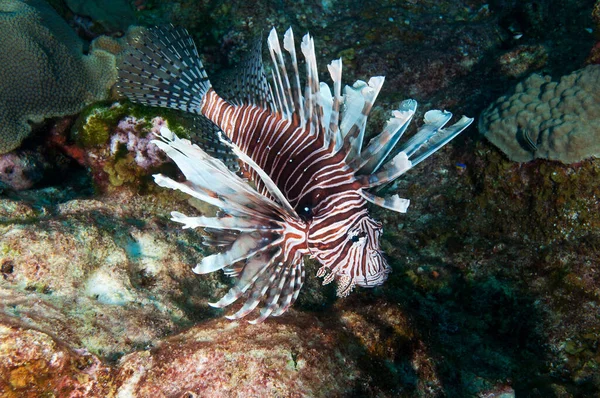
(227, 223)
(211, 181)
(244, 247)
(291, 289)
(162, 67)
(280, 293)
(253, 268)
(269, 184)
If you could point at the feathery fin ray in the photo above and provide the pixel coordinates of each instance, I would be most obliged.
(255, 231)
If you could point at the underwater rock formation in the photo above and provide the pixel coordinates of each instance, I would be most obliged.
(21, 170)
(93, 321)
(45, 72)
(546, 119)
(113, 14)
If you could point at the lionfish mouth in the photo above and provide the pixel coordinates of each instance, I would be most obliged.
(289, 139)
(346, 281)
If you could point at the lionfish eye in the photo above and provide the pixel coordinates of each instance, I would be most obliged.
(305, 212)
(355, 238)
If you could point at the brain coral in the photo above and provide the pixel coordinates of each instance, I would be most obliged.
(44, 71)
(544, 119)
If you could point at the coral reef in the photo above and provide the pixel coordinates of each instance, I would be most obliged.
(495, 282)
(116, 145)
(21, 170)
(548, 120)
(44, 70)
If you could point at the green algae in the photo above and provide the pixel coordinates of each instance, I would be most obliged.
(97, 123)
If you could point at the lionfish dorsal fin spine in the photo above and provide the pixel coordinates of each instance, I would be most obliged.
(290, 47)
(442, 137)
(163, 68)
(359, 101)
(335, 70)
(281, 80)
(434, 121)
(326, 103)
(391, 170)
(394, 202)
(428, 139)
(380, 146)
(278, 102)
(313, 110)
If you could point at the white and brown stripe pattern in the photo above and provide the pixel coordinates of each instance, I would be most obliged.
(303, 154)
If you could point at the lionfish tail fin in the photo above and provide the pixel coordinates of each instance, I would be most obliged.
(162, 68)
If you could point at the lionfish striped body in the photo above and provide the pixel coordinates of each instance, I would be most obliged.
(303, 151)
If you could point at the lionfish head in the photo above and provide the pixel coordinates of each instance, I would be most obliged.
(348, 247)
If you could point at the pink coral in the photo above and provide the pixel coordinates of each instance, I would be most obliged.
(146, 154)
(20, 170)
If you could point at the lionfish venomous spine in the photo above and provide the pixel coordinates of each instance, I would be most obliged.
(302, 148)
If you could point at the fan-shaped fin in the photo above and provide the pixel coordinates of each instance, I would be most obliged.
(253, 268)
(269, 184)
(245, 246)
(229, 223)
(162, 67)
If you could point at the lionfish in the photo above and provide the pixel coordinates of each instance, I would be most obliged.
(304, 177)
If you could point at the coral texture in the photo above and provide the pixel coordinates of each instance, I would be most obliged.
(44, 70)
(546, 119)
(20, 171)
